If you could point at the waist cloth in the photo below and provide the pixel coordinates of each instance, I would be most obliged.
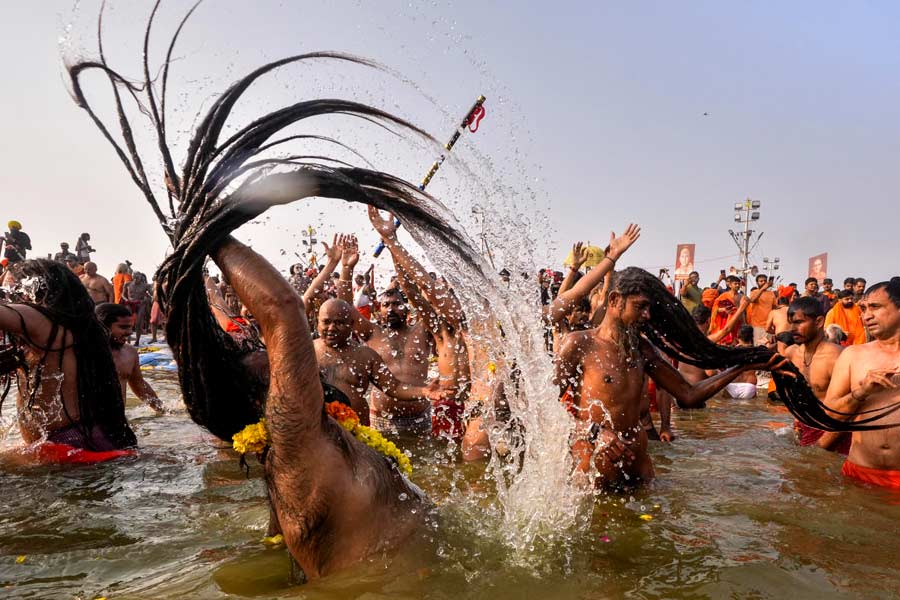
(418, 424)
(881, 477)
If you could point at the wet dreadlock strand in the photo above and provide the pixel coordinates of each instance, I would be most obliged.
(672, 329)
(219, 391)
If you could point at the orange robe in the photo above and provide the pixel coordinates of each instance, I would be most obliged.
(119, 281)
(720, 317)
(708, 296)
(848, 319)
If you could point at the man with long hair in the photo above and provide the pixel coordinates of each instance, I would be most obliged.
(69, 392)
(606, 367)
(815, 358)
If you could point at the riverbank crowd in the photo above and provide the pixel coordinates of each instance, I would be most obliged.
(386, 364)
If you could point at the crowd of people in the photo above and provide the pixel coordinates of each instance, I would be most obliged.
(406, 361)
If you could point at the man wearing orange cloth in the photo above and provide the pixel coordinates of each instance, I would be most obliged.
(867, 378)
(848, 317)
(724, 306)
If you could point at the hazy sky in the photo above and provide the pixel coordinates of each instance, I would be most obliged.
(595, 118)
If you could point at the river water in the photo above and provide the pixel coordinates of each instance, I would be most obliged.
(738, 511)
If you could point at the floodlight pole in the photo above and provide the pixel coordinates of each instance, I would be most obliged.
(745, 213)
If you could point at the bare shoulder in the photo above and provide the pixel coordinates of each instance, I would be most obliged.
(832, 350)
(790, 352)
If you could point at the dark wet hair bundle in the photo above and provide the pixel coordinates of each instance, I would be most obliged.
(58, 294)
(223, 185)
(672, 329)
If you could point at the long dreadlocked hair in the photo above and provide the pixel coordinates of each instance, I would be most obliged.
(672, 329)
(57, 294)
(220, 394)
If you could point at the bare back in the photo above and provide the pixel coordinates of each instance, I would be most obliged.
(55, 394)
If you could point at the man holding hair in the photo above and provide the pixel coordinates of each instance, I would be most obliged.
(867, 378)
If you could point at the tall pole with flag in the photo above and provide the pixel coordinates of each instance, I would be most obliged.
(471, 122)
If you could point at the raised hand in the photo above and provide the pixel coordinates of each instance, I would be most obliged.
(350, 249)
(385, 227)
(334, 251)
(579, 255)
(618, 245)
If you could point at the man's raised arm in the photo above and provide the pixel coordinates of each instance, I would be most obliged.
(294, 404)
(617, 247)
(435, 291)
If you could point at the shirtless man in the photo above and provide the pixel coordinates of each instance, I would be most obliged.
(571, 310)
(137, 293)
(404, 348)
(442, 315)
(815, 358)
(867, 377)
(65, 408)
(779, 323)
(98, 287)
(694, 375)
(346, 502)
(605, 367)
(117, 319)
(350, 366)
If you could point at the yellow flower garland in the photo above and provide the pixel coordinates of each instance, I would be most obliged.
(254, 438)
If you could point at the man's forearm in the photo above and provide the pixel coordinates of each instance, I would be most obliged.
(844, 408)
(706, 389)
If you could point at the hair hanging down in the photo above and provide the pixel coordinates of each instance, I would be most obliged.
(224, 184)
(672, 329)
(58, 294)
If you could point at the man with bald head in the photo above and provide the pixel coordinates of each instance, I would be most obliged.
(350, 366)
(98, 287)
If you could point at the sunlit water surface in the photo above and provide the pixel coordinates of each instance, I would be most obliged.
(738, 511)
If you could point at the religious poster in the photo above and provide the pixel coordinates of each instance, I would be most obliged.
(818, 266)
(684, 261)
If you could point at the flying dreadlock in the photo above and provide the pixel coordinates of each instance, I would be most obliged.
(220, 393)
(55, 292)
(672, 329)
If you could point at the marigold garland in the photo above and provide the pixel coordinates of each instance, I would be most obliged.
(254, 438)
(349, 420)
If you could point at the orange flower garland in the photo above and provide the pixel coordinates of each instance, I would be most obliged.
(349, 420)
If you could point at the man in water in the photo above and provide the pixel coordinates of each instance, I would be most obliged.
(98, 287)
(778, 323)
(744, 385)
(442, 316)
(815, 358)
(350, 366)
(847, 315)
(867, 377)
(605, 367)
(117, 318)
(17, 243)
(345, 502)
(701, 315)
(571, 310)
(65, 396)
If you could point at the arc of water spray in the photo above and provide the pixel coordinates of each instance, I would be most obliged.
(475, 113)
